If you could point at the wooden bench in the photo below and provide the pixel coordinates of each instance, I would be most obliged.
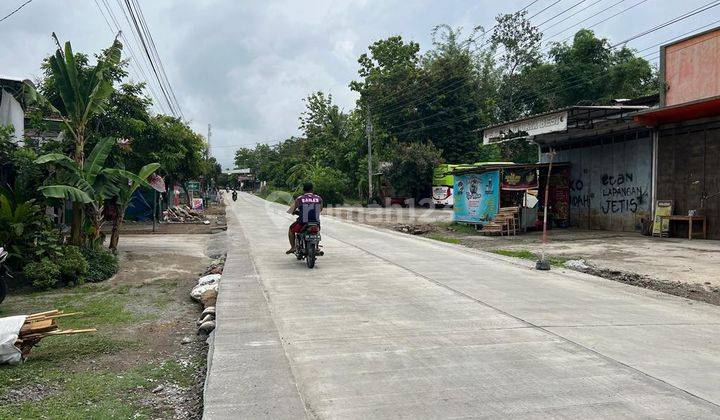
(506, 221)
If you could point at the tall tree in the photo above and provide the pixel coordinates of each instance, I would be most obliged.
(450, 117)
(519, 44)
(389, 86)
(175, 146)
(587, 72)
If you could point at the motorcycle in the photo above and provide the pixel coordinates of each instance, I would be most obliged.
(234, 195)
(3, 274)
(307, 244)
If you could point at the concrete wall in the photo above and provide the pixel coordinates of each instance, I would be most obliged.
(692, 68)
(610, 187)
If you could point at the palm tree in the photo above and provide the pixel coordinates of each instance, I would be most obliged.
(90, 184)
(124, 198)
(83, 94)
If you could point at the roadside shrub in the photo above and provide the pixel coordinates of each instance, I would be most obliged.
(412, 169)
(102, 264)
(73, 265)
(263, 191)
(43, 274)
(330, 183)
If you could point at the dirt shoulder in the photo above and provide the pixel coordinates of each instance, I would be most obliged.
(145, 361)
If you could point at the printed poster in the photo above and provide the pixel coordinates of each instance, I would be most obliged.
(661, 227)
(476, 197)
(519, 179)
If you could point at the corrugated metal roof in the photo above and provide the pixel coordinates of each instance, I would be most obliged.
(619, 108)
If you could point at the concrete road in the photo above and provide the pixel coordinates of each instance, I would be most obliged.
(392, 326)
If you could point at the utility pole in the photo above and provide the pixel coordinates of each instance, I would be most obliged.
(209, 148)
(368, 133)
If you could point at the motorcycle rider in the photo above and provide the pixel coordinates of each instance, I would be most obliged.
(308, 208)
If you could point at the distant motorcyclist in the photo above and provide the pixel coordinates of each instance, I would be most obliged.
(234, 195)
(308, 208)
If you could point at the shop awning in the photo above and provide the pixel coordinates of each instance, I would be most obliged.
(702, 108)
(487, 167)
(574, 119)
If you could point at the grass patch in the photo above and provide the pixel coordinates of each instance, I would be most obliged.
(87, 394)
(445, 239)
(175, 372)
(527, 255)
(104, 375)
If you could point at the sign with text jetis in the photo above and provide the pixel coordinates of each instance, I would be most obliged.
(476, 197)
(532, 126)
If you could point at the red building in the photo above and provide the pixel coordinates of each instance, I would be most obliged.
(686, 129)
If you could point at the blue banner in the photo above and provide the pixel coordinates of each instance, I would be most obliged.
(477, 197)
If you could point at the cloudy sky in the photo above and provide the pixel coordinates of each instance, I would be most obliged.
(245, 65)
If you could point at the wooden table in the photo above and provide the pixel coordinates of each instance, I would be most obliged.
(689, 220)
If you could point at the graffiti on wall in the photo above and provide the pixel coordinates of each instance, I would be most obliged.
(578, 197)
(621, 194)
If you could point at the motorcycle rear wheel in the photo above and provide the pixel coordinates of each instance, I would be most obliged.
(310, 258)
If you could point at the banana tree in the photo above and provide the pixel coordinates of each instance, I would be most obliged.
(20, 220)
(125, 195)
(90, 184)
(83, 95)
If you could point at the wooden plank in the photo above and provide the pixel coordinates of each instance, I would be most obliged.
(58, 332)
(38, 327)
(43, 314)
(60, 315)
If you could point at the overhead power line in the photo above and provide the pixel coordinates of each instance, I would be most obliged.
(459, 84)
(528, 6)
(694, 12)
(562, 13)
(149, 36)
(575, 83)
(590, 17)
(136, 64)
(713, 23)
(149, 55)
(407, 101)
(543, 10)
(580, 80)
(16, 10)
(573, 15)
(142, 64)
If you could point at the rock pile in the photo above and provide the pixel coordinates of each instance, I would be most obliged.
(183, 214)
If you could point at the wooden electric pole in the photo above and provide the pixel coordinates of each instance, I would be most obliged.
(368, 133)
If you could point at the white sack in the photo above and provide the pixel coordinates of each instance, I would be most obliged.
(198, 290)
(209, 279)
(9, 331)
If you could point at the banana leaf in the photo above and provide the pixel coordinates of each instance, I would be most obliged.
(66, 191)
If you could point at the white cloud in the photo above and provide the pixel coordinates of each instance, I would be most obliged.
(245, 66)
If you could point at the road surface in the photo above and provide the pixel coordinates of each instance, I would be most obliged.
(393, 326)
